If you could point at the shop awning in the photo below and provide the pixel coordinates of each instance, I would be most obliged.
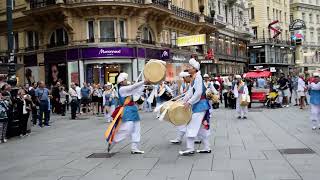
(257, 74)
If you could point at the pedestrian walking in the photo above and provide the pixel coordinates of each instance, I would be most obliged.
(63, 100)
(284, 89)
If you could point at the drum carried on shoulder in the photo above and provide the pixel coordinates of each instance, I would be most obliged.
(155, 71)
(176, 113)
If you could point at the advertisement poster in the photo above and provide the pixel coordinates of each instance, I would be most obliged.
(31, 74)
(56, 72)
(73, 73)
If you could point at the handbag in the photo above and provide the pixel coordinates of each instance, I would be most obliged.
(244, 100)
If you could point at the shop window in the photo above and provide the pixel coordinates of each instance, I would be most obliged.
(255, 32)
(147, 37)
(90, 31)
(59, 38)
(123, 35)
(107, 31)
(32, 40)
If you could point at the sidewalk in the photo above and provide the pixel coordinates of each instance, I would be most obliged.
(242, 150)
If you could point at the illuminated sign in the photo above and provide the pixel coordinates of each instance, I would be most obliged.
(191, 40)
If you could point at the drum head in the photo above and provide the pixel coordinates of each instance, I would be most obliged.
(178, 115)
(154, 71)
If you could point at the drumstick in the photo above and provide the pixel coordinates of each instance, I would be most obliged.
(157, 109)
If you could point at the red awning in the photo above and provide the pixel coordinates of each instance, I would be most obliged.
(256, 74)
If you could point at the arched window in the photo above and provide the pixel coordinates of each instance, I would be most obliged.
(147, 36)
(59, 37)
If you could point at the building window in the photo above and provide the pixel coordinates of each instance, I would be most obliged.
(107, 31)
(59, 38)
(318, 36)
(219, 7)
(123, 34)
(268, 12)
(304, 16)
(252, 13)
(255, 32)
(311, 36)
(90, 31)
(273, 14)
(285, 17)
(318, 19)
(226, 12)
(32, 40)
(147, 37)
(280, 16)
(310, 18)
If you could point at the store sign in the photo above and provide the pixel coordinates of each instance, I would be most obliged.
(107, 52)
(180, 57)
(158, 54)
(297, 24)
(191, 40)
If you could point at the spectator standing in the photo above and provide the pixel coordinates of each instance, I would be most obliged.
(95, 99)
(4, 108)
(78, 89)
(294, 81)
(42, 94)
(24, 108)
(301, 90)
(63, 100)
(314, 89)
(34, 105)
(85, 95)
(56, 98)
(284, 89)
(74, 100)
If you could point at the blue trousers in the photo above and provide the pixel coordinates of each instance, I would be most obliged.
(44, 111)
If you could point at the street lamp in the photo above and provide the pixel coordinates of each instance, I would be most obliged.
(12, 80)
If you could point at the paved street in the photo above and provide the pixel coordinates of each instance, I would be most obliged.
(242, 150)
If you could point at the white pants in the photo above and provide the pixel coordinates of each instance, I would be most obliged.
(203, 135)
(315, 115)
(241, 110)
(181, 131)
(129, 128)
(193, 129)
(110, 110)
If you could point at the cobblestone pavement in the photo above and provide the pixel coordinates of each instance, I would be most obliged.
(242, 150)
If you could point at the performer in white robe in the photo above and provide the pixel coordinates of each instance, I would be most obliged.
(240, 88)
(314, 91)
(181, 130)
(130, 125)
(195, 98)
(210, 89)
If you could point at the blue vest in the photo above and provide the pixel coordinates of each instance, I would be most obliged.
(130, 113)
(203, 104)
(315, 97)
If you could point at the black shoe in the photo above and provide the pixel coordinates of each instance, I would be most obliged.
(137, 152)
(48, 125)
(239, 117)
(244, 117)
(296, 105)
(204, 151)
(197, 142)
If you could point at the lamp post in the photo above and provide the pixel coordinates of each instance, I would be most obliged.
(12, 80)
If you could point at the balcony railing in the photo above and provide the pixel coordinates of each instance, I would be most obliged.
(145, 41)
(185, 14)
(208, 19)
(32, 48)
(107, 40)
(270, 40)
(41, 3)
(163, 3)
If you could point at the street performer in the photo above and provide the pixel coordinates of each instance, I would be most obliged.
(129, 124)
(196, 98)
(181, 130)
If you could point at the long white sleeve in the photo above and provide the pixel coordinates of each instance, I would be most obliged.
(197, 88)
(130, 90)
(213, 89)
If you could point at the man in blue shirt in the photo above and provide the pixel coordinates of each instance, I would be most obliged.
(42, 94)
(85, 94)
